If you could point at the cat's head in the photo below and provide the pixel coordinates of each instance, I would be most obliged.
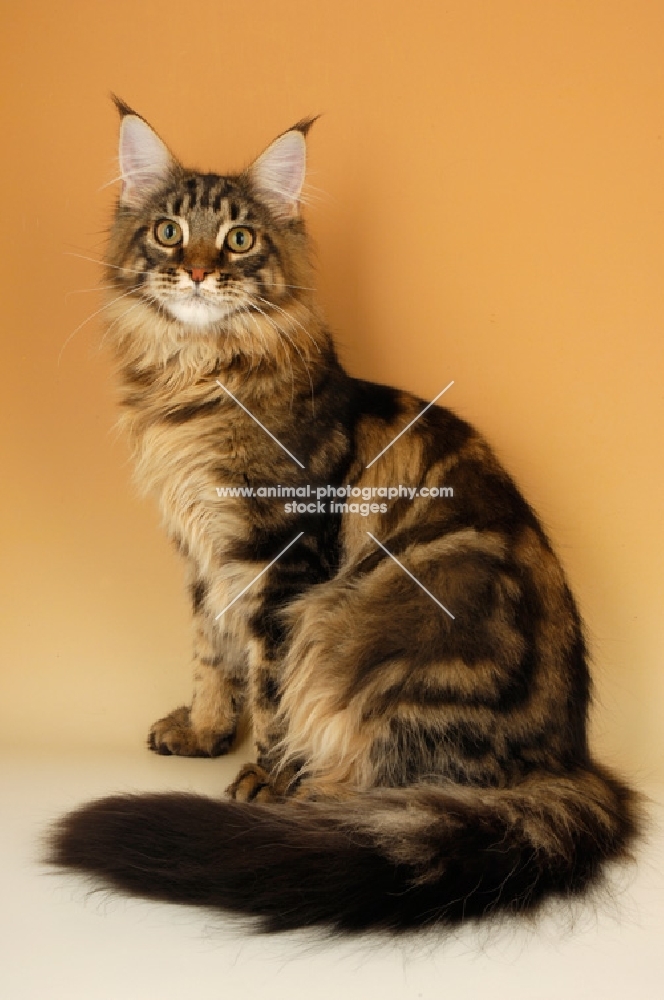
(208, 253)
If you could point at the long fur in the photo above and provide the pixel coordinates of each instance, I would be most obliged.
(412, 769)
(396, 859)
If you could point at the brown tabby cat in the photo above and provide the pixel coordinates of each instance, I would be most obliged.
(413, 767)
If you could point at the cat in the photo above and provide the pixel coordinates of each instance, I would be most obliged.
(415, 672)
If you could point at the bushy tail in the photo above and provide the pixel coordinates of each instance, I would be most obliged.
(393, 858)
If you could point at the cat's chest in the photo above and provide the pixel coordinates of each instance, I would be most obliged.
(206, 465)
(186, 459)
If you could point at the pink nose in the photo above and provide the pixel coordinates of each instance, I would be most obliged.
(198, 273)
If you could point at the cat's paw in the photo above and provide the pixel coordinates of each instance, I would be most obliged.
(252, 785)
(174, 735)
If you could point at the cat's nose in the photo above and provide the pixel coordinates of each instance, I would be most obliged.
(198, 274)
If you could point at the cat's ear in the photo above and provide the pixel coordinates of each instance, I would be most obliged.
(145, 162)
(278, 173)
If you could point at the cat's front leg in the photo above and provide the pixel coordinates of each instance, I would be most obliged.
(208, 727)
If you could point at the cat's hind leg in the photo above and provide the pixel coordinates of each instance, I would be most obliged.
(269, 779)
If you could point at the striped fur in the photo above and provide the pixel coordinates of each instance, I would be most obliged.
(426, 768)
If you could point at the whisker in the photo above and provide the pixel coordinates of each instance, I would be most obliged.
(109, 183)
(92, 316)
(95, 288)
(286, 354)
(279, 284)
(100, 243)
(280, 329)
(273, 305)
(251, 342)
(117, 320)
(94, 260)
(248, 312)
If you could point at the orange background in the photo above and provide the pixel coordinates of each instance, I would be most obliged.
(487, 198)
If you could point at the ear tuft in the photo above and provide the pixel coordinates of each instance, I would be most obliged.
(145, 162)
(304, 125)
(122, 106)
(278, 173)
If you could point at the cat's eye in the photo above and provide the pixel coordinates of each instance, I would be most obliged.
(168, 233)
(239, 239)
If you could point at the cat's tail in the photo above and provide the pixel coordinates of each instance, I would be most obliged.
(392, 858)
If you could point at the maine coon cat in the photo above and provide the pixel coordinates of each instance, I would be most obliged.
(412, 767)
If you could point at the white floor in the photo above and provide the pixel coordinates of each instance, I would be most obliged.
(58, 940)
